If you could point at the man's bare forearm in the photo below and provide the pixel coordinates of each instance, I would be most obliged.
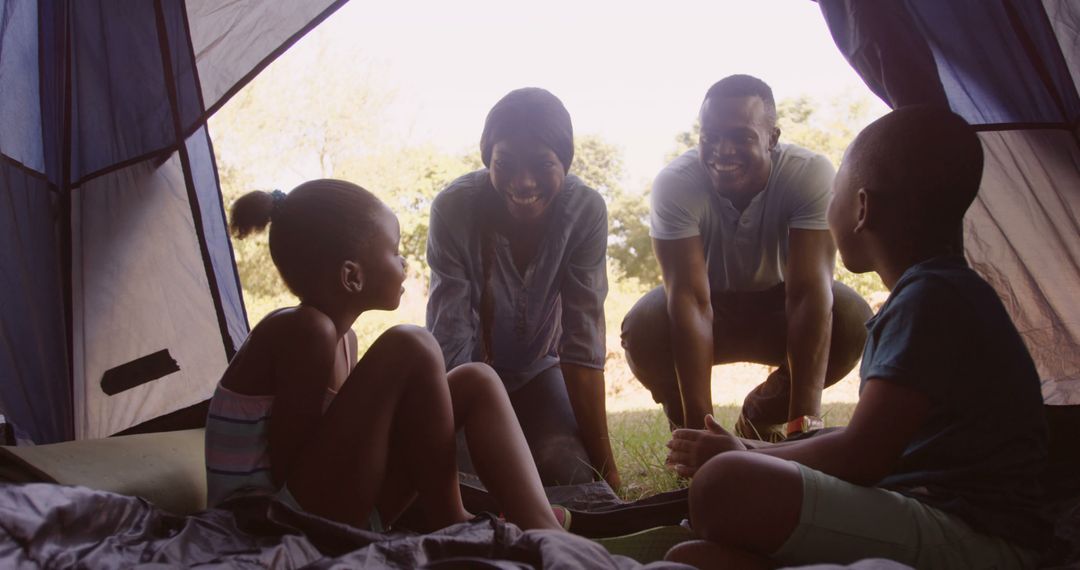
(809, 333)
(692, 346)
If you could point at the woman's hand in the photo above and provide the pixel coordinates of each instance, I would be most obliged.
(691, 448)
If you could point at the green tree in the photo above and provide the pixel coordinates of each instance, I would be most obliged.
(600, 165)
(407, 179)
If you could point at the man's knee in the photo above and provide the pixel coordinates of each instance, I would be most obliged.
(644, 319)
(646, 340)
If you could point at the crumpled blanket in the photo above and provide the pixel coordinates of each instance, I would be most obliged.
(53, 526)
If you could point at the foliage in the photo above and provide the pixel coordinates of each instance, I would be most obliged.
(600, 165)
(685, 141)
(825, 127)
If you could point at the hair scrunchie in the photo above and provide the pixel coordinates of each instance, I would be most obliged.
(278, 198)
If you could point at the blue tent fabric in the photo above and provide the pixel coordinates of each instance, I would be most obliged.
(113, 245)
(31, 307)
(1011, 69)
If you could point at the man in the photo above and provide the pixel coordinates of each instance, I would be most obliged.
(739, 229)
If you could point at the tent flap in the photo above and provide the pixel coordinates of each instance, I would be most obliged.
(111, 207)
(1010, 68)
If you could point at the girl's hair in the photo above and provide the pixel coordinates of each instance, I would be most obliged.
(313, 228)
(527, 111)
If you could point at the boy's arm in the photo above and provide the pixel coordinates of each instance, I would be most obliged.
(886, 419)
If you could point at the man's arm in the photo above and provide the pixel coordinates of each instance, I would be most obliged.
(585, 387)
(811, 256)
(682, 262)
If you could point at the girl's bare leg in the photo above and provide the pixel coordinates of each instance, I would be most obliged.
(395, 403)
(497, 446)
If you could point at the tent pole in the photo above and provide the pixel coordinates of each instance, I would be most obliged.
(189, 182)
(1040, 66)
(66, 236)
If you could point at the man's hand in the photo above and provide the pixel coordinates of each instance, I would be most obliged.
(691, 448)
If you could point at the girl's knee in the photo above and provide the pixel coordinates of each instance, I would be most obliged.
(413, 342)
(476, 380)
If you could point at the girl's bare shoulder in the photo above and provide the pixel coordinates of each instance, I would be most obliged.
(298, 326)
(284, 334)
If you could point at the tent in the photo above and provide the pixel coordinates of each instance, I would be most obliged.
(119, 300)
(1011, 68)
(119, 297)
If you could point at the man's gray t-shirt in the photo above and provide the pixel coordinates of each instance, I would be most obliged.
(745, 251)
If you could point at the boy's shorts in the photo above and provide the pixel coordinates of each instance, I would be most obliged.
(843, 523)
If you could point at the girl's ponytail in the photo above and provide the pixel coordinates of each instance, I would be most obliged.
(253, 211)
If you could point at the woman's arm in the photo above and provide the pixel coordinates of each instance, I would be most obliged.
(449, 308)
(586, 389)
(582, 348)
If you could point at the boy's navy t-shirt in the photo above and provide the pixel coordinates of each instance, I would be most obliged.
(981, 451)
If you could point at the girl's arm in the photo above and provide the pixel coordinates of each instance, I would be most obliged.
(449, 308)
(582, 348)
(306, 348)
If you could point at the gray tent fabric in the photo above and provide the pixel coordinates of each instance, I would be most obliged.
(66, 527)
(1010, 68)
(120, 297)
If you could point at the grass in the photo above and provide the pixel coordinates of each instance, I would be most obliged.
(639, 436)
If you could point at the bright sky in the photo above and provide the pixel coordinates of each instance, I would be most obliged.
(633, 72)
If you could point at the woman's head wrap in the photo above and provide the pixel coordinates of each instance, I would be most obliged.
(530, 111)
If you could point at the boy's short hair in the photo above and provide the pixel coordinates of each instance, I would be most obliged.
(926, 157)
(741, 85)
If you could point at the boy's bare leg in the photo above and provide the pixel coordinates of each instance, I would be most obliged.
(393, 412)
(498, 447)
(746, 501)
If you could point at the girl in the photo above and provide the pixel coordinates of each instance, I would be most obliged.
(356, 442)
(518, 279)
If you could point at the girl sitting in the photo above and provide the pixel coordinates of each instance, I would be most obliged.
(295, 414)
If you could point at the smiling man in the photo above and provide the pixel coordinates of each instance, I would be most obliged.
(738, 226)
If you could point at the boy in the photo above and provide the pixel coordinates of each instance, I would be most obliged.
(939, 466)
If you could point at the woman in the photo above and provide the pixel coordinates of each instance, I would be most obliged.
(518, 254)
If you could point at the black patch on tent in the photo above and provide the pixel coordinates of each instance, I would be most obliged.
(137, 372)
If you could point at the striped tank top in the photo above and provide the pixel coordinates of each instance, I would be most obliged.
(238, 444)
